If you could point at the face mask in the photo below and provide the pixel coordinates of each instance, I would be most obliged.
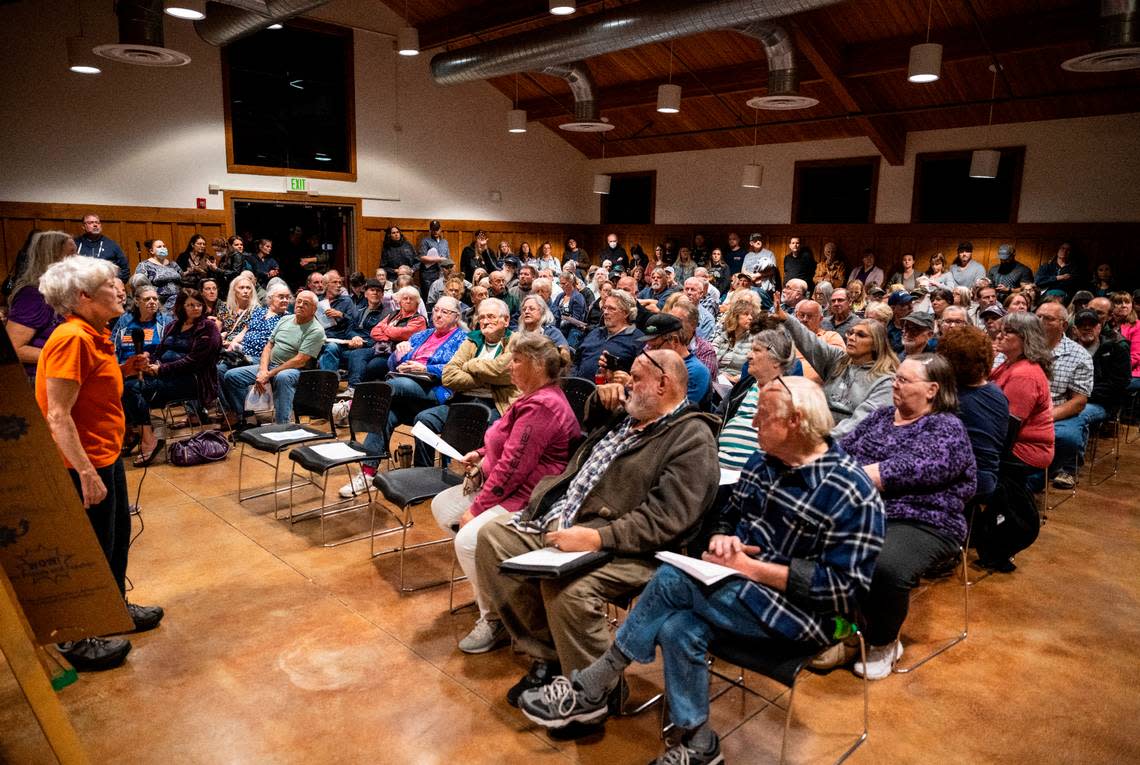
(1005, 255)
(613, 245)
(162, 252)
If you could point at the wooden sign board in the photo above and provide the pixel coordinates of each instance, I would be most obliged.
(47, 545)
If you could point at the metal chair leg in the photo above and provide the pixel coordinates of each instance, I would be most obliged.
(1114, 454)
(965, 625)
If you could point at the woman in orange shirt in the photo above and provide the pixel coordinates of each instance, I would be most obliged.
(79, 388)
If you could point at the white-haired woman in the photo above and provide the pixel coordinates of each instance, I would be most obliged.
(535, 316)
(394, 329)
(79, 388)
(31, 320)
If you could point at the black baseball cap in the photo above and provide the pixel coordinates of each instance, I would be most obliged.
(660, 324)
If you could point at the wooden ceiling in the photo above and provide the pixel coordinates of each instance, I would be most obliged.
(852, 57)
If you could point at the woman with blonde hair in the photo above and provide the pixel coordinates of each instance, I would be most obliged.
(733, 343)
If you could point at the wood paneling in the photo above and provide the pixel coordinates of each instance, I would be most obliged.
(126, 225)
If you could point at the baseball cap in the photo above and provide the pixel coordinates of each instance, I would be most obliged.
(434, 226)
(511, 260)
(921, 318)
(373, 284)
(965, 246)
(755, 237)
(996, 310)
(447, 263)
(660, 324)
(1086, 316)
(900, 297)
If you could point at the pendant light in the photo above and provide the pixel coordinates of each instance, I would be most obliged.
(516, 118)
(601, 180)
(925, 59)
(562, 7)
(408, 38)
(753, 171)
(984, 162)
(187, 10)
(80, 59)
(669, 95)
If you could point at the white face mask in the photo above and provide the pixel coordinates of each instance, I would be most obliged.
(162, 252)
(613, 245)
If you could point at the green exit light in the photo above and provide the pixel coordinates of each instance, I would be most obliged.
(298, 184)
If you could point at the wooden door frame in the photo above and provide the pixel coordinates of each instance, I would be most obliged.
(357, 204)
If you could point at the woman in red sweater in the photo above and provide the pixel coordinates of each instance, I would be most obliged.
(531, 440)
(1024, 378)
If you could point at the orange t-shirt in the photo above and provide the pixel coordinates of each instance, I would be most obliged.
(75, 351)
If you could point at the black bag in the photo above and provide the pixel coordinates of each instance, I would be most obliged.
(234, 359)
(1009, 523)
(207, 446)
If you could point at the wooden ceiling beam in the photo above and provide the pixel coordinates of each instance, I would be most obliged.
(887, 135)
(1007, 36)
(486, 19)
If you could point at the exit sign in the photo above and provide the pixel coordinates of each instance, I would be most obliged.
(297, 184)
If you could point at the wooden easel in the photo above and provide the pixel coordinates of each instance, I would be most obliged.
(30, 664)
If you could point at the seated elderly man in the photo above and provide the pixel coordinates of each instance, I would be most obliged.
(918, 334)
(794, 291)
(952, 316)
(295, 341)
(804, 526)
(1070, 386)
(664, 331)
(658, 290)
(636, 486)
(617, 336)
(810, 314)
(695, 289)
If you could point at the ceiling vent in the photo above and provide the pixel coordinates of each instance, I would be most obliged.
(141, 42)
(586, 118)
(783, 76)
(1116, 39)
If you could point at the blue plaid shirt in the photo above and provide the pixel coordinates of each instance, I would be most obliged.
(824, 521)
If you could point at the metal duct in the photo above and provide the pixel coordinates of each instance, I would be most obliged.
(225, 23)
(140, 22)
(1118, 44)
(585, 103)
(606, 32)
(783, 77)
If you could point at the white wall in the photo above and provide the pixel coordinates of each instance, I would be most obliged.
(1078, 170)
(155, 137)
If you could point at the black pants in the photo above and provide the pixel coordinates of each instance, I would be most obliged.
(140, 396)
(111, 519)
(908, 551)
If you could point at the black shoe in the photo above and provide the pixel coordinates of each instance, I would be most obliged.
(684, 754)
(541, 672)
(145, 617)
(95, 654)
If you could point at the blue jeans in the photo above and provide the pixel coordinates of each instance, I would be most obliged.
(356, 361)
(409, 399)
(676, 613)
(1071, 435)
(331, 356)
(237, 382)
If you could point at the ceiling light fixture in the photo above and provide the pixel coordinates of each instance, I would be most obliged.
(562, 7)
(984, 162)
(516, 118)
(601, 180)
(408, 38)
(926, 58)
(80, 59)
(753, 171)
(187, 10)
(669, 95)
(275, 26)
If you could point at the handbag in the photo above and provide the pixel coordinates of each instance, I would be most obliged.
(207, 446)
(472, 481)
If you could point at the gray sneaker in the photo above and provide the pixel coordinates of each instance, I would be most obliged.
(562, 703)
(1064, 480)
(486, 635)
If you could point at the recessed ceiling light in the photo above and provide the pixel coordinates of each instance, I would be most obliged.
(276, 26)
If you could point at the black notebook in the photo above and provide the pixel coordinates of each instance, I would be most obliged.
(549, 563)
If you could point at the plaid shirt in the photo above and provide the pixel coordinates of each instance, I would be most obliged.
(1072, 371)
(824, 521)
(618, 441)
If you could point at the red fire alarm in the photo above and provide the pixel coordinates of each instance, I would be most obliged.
(201, 203)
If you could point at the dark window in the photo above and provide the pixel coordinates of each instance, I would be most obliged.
(289, 101)
(944, 192)
(835, 191)
(631, 199)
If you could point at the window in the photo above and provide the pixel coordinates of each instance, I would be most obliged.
(835, 191)
(944, 192)
(289, 102)
(632, 198)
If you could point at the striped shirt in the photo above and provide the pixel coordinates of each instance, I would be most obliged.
(738, 438)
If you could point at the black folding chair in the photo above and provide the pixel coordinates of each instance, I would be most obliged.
(313, 398)
(368, 414)
(578, 390)
(464, 429)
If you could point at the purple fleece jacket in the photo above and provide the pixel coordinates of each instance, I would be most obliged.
(927, 467)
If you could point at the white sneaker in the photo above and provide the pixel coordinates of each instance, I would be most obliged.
(485, 636)
(880, 661)
(359, 485)
(836, 656)
(340, 411)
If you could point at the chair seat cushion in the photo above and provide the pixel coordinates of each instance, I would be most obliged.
(780, 660)
(258, 437)
(408, 486)
(310, 459)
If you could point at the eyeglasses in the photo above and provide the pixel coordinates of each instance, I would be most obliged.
(653, 361)
(952, 322)
(441, 309)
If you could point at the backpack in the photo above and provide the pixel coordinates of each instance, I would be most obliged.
(1009, 523)
(207, 446)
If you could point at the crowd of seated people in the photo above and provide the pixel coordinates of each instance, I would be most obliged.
(893, 394)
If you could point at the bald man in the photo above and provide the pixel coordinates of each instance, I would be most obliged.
(810, 314)
(295, 341)
(636, 486)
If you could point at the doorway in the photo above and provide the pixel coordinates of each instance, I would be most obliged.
(306, 237)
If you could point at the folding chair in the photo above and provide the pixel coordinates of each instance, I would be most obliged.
(782, 662)
(368, 414)
(1129, 419)
(1096, 436)
(313, 397)
(464, 429)
(577, 390)
(951, 642)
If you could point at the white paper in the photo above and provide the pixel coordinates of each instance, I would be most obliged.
(288, 435)
(337, 340)
(701, 570)
(338, 450)
(722, 379)
(728, 476)
(547, 556)
(322, 306)
(425, 434)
